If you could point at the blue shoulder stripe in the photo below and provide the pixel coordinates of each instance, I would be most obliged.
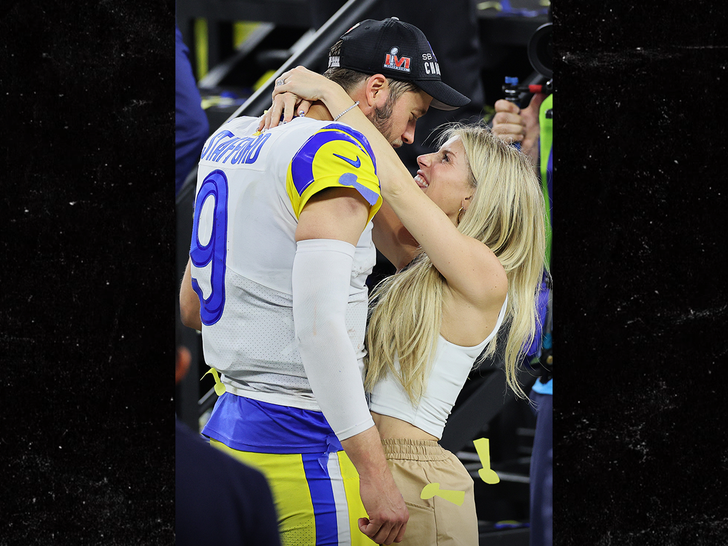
(302, 163)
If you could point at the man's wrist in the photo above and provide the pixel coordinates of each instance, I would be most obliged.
(366, 453)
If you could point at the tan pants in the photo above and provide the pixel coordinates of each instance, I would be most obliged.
(435, 521)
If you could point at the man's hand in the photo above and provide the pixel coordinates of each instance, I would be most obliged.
(512, 124)
(382, 500)
(189, 302)
(387, 512)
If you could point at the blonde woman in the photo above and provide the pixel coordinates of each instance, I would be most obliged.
(476, 212)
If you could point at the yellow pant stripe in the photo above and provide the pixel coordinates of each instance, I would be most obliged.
(353, 499)
(287, 479)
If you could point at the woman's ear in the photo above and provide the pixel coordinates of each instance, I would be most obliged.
(466, 202)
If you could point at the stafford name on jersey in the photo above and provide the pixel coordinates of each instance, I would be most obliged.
(225, 147)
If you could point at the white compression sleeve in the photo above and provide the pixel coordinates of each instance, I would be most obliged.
(321, 279)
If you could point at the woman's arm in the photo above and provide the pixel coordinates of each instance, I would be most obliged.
(468, 265)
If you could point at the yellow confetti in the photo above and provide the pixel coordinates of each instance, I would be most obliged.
(433, 490)
(219, 387)
(482, 446)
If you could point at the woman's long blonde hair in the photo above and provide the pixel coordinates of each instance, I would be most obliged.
(506, 214)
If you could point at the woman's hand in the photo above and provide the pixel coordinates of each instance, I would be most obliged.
(306, 84)
(296, 90)
(282, 110)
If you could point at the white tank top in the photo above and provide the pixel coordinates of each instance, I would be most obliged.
(449, 371)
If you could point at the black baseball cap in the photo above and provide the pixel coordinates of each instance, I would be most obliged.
(400, 51)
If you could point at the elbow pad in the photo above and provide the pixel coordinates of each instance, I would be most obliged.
(321, 280)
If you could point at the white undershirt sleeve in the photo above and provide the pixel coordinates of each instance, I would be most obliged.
(321, 279)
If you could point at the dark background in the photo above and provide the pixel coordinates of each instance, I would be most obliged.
(88, 280)
(640, 222)
(88, 284)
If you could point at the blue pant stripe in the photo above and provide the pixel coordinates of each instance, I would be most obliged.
(322, 498)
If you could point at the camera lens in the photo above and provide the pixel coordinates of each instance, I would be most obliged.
(539, 50)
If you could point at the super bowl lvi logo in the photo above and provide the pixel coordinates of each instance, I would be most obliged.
(396, 63)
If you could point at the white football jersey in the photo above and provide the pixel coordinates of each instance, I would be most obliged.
(251, 188)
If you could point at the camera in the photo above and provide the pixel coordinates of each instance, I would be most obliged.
(540, 56)
(539, 51)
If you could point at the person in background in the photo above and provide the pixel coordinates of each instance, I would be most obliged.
(532, 127)
(218, 500)
(476, 212)
(191, 128)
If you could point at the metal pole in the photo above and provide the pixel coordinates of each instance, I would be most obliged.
(317, 47)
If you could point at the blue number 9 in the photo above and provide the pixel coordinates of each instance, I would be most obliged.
(215, 186)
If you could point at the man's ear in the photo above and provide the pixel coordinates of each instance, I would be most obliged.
(376, 91)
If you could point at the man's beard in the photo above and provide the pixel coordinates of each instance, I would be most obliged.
(381, 118)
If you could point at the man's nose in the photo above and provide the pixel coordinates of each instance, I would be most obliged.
(408, 137)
